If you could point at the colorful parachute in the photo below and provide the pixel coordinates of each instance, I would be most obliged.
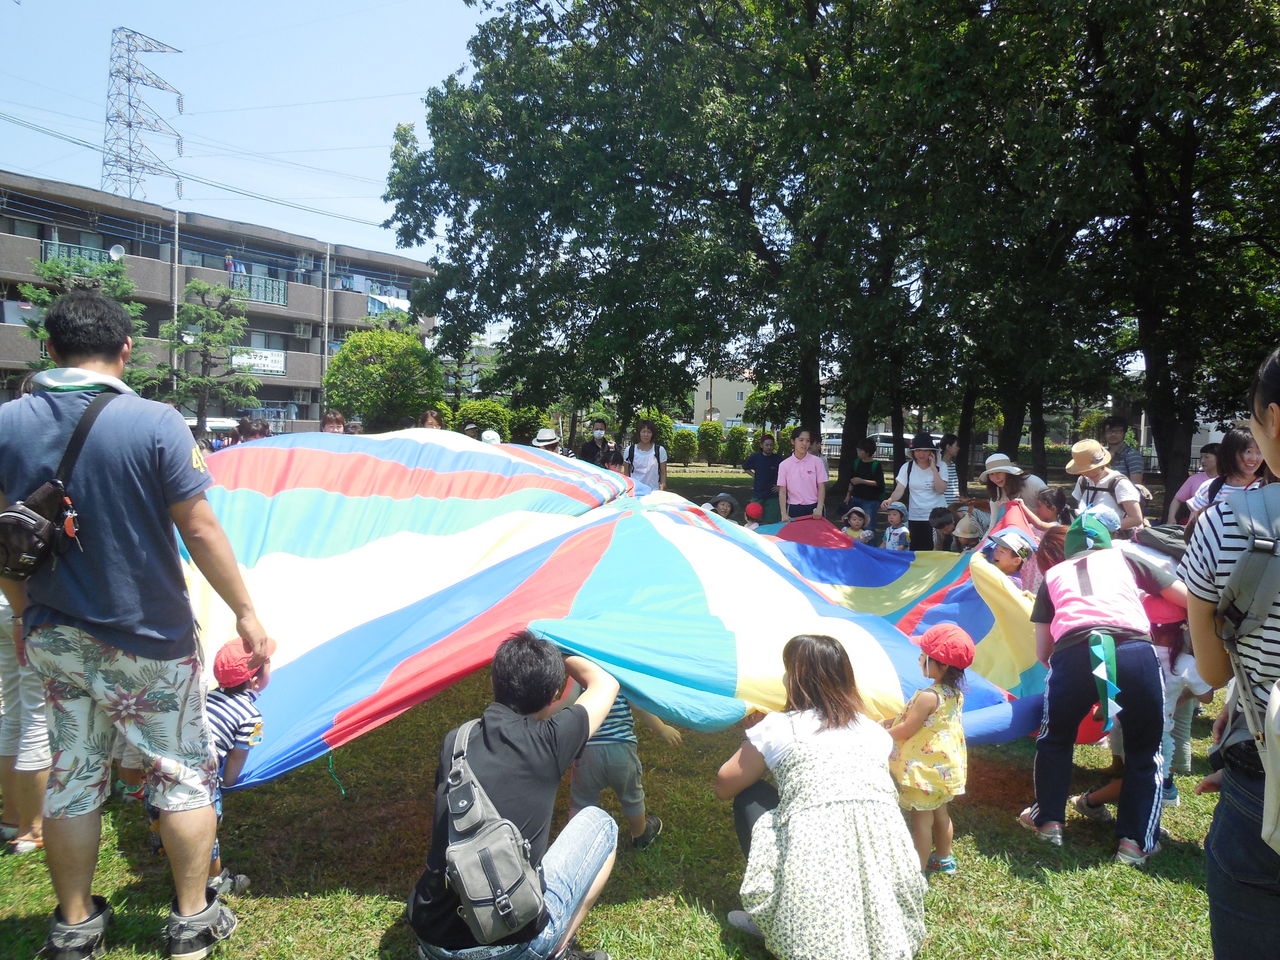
(388, 567)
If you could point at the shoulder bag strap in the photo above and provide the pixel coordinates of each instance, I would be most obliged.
(72, 454)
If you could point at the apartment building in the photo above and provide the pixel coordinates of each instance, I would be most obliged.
(303, 296)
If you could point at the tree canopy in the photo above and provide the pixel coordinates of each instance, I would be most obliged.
(905, 206)
(383, 376)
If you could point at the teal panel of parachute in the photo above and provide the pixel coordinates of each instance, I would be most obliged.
(643, 616)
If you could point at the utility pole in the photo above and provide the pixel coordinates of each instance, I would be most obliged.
(125, 155)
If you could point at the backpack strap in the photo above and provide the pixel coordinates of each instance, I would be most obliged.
(468, 804)
(1215, 487)
(1255, 579)
(76, 444)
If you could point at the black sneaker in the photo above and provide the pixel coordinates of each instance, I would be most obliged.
(652, 827)
(193, 938)
(78, 941)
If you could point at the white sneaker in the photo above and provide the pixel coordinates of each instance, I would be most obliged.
(1133, 855)
(1050, 833)
(1101, 813)
(741, 920)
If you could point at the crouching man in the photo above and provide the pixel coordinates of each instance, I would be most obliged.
(518, 754)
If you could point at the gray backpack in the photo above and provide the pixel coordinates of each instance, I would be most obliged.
(487, 862)
(1244, 606)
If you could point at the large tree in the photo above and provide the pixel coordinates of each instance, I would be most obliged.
(382, 377)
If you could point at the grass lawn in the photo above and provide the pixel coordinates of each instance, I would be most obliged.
(330, 869)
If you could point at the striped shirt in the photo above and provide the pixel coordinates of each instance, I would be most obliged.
(619, 725)
(233, 721)
(1215, 546)
(948, 471)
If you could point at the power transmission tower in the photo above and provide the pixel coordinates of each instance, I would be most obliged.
(126, 156)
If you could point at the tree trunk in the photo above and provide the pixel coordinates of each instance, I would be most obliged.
(857, 410)
(810, 387)
(965, 432)
(572, 442)
(898, 423)
(1039, 459)
(1013, 410)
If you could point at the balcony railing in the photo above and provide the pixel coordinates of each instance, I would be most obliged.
(261, 289)
(52, 250)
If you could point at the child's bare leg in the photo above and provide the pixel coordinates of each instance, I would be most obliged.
(922, 834)
(943, 832)
(1107, 793)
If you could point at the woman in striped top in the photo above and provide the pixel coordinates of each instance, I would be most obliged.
(1242, 872)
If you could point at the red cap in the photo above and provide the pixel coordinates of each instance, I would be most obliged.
(754, 511)
(231, 664)
(949, 645)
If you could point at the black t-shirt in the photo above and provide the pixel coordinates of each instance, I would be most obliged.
(594, 452)
(519, 761)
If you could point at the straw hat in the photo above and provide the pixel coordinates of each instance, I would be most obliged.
(1088, 455)
(999, 463)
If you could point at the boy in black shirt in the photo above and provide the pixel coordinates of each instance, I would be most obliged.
(519, 753)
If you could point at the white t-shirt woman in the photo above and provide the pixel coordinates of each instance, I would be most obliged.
(645, 464)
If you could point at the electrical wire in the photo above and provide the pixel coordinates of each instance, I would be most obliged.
(194, 179)
(305, 103)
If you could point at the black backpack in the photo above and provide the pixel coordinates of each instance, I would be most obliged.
(45, 524)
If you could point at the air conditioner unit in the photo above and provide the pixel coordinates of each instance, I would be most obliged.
(302, 329)
(301, 394)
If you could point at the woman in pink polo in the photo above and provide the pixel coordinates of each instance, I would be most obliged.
(802, 481)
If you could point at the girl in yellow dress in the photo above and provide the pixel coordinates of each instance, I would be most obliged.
(929, 760)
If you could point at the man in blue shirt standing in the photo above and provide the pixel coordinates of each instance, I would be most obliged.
(763, 467)
(109, 627)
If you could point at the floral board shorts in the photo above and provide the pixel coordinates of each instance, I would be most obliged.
(96, 692)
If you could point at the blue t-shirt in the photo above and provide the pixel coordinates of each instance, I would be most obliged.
(765, 473)
(126, 587)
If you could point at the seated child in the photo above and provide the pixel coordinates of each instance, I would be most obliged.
(755, 513)
(943, 522)
(611, 759)
(896, 535)
(967, 535)
(235, 726)
(855, 525)
(1008, 550)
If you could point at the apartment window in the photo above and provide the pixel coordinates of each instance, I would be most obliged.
(739, 396)
(708, 394)
(21, 228)
(261, 340)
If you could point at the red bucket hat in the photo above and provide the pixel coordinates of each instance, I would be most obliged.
(231, 664)
(948, 644)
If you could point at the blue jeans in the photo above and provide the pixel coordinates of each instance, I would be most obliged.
(1070, 693)
(1242, 874)
(569, 868)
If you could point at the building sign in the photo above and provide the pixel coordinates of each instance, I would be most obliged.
(270, 362)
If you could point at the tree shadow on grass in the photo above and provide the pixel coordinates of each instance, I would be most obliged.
(1000, 785)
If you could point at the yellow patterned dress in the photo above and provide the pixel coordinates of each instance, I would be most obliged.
(930, 768)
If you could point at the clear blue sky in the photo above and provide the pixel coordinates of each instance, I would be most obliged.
(251, 75)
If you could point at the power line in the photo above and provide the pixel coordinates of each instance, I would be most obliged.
(194, 179)
(307, 103)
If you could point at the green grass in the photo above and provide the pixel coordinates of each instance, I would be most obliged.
(330, 872)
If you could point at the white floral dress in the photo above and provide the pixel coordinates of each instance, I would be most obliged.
(832, 873)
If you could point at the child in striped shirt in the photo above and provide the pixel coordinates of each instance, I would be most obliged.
(611, 759)
(235, 727)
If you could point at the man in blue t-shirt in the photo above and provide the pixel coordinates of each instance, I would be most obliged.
(763, 467)
(109, 628)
